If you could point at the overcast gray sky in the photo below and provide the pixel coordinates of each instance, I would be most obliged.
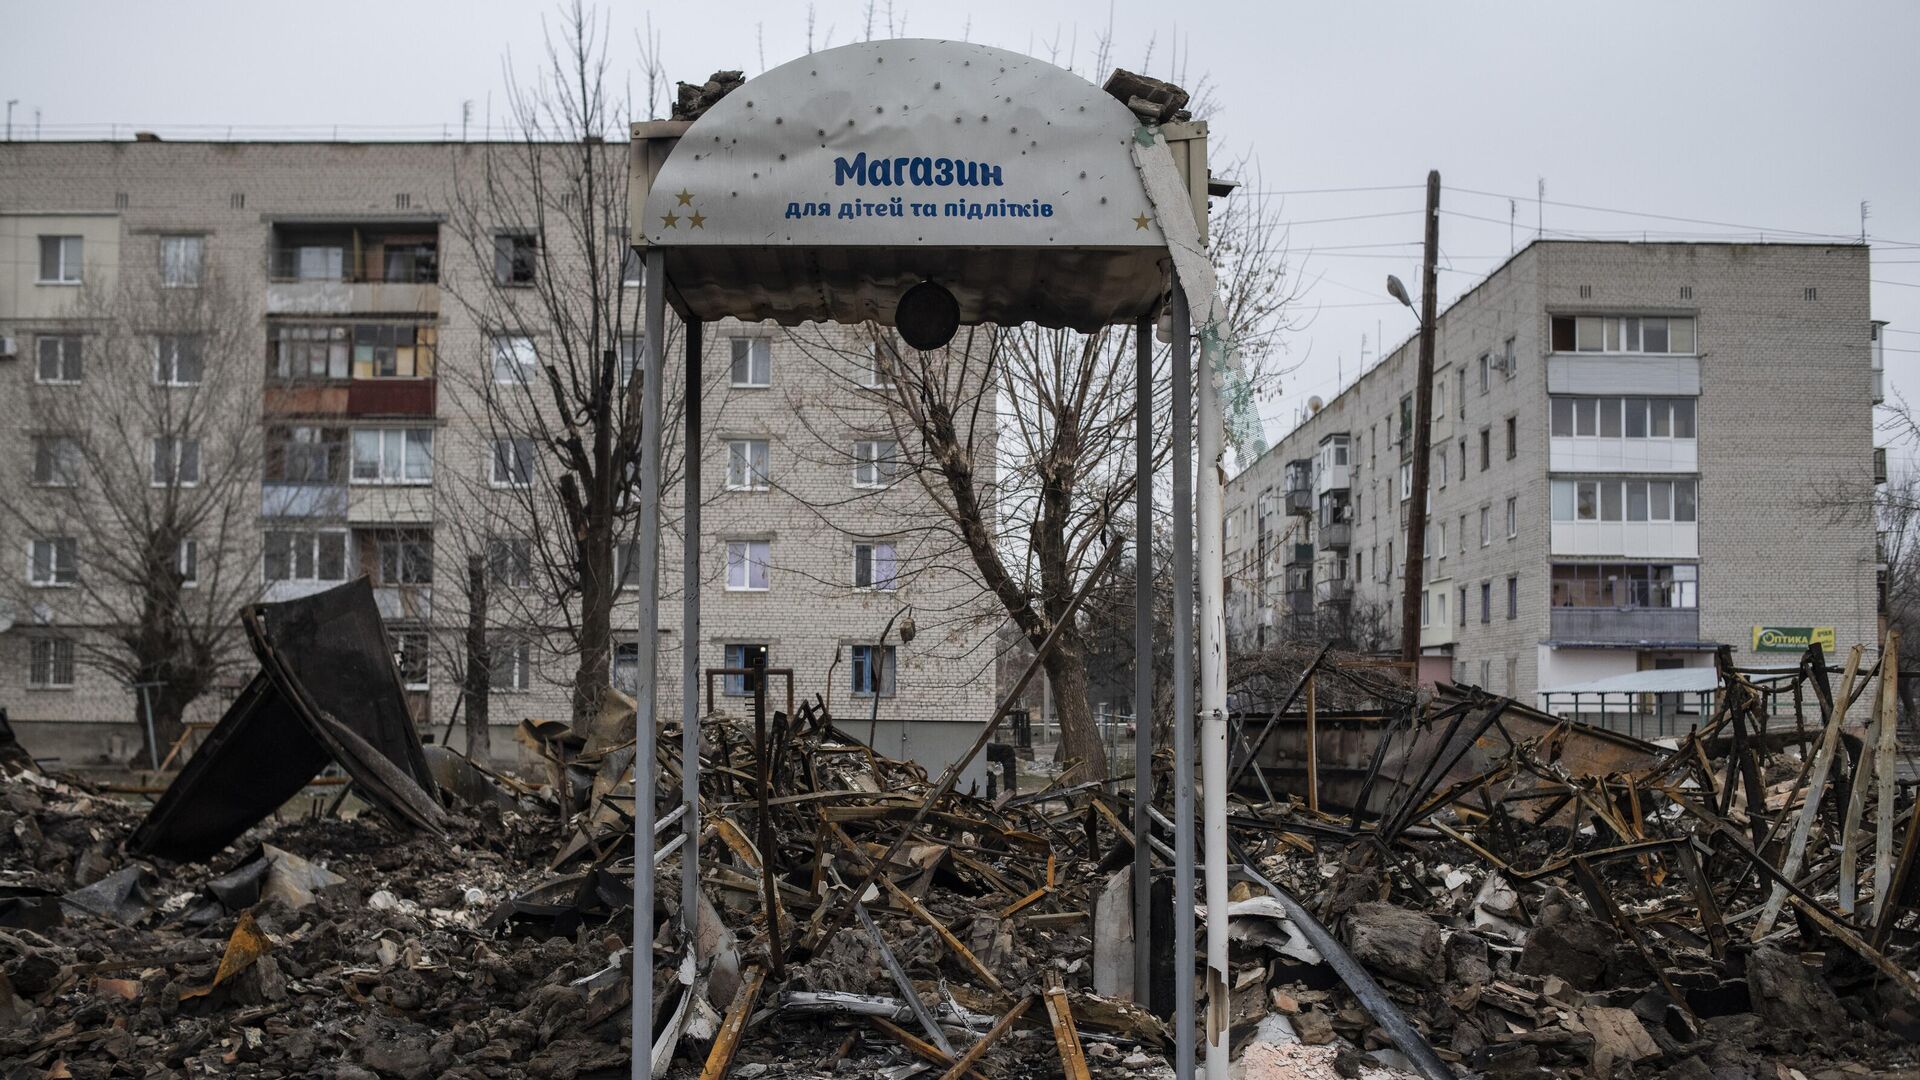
(1745, 118)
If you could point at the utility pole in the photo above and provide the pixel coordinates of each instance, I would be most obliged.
(1422, 436)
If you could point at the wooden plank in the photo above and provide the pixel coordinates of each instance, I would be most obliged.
(916, 1044)
(720, 1058)
(1066, 1037)
(1883, 828)
(985, 1042)
(966, 956)
(1816, 785)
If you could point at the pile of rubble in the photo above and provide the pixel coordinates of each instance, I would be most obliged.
(1497, 893)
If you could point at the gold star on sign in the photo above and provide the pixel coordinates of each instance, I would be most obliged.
(1142, 221)
(670, 221)
(685, 197)
(698, 220)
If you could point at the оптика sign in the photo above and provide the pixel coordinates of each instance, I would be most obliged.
(1792, 638)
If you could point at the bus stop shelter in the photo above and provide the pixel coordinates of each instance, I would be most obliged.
(922, 185)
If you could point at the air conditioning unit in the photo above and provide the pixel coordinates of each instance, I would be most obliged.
(9, 347)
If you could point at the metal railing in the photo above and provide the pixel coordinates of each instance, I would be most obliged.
(409, 266)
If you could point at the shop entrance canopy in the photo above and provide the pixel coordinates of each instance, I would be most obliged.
(825, 188)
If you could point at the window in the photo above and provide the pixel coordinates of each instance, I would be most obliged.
(1486, 372)
(742, 656)
(1486, 532)
(1463, 459)
(510, 561)
(747, 465)
(875, 566)
(1426, 607)
(305, 555)
(514, 360)
(1440, 460)
(1625, 500)
(60, 260)
(1486, 449)
(50, 663)
(1406, 480)
(1507, 365)
(875, 369)
(319, 262)
(176, 462)
(1440, 607)
(55, 561)
(392, 455)
(752, 361)
(511, 464)
(1443, 540)
(626, 564)
(1463, 605)
(307, 351)
(876, 462)
(1513, 516)
(406, 560)
(177, 360)
(410, 656)
(59, 358)
(871, 677)
(1486, 601)
(1463, 534)
(1461, 382)
(56, 461)
(306, 455)
(393, 350)
(514, 258)
(1626, 585)
(747, 565)
(1623, 334)
(512, 663)
(1486, 674)
(1513, 438)
(1614, 418)
(1513, 597)
(188, 563)
(180, 260)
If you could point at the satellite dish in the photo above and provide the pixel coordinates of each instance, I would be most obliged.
(1314, 404)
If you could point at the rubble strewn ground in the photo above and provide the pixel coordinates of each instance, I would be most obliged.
(1534, 919)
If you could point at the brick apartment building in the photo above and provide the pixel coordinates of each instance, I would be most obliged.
(1631, 443)
(360, 368)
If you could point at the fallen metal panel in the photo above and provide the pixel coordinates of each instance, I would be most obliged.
(327, 691)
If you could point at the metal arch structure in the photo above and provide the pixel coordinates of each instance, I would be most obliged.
(822, 190)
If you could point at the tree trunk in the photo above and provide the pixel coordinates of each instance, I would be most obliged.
(479, 662)
(597, 590)
(1066, 667)
(169, 718)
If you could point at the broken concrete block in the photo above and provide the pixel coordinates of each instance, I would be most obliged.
(1786, 993)
(1617, 1034)
(1314, 1027)
(1395, 942)
(1570, 944)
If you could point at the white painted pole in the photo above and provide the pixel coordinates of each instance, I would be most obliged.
(1182, 364)
(647, 630)
(1210, 530)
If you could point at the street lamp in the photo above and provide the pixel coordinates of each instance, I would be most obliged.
(1399, 292)
(877, 664)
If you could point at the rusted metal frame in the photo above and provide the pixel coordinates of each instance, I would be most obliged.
(762, 781)
(1825, 755)
(1379, 758)
(1635, 848)
(1461, 789)
(1031, 898)
(1313, 735)
(1838, 930)
(1601, 901)
(1066, 1037)
(1434, 769)
(985, 1042)
(1239, 733)
(916, 1044)
(1266, 732)
(727, 1043)
(900, 981)
(1474, 846)
(819, 934)
(877, 875)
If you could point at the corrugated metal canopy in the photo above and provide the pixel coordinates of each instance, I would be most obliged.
(1693, 680)
(826, 187)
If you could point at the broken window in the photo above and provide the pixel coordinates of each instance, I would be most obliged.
(515, 256)
(741, 655)
(393, 350)
(410, 656)
(873, 670)
(514, 360)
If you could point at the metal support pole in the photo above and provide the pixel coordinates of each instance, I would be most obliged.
(762, 780)
(690, 636)
(1183, 1055)
(1213, 705)
(1142, 658)
(647, 631)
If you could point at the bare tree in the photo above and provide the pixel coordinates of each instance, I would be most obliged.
(547, 275)
(1024, 438)
(141, 503)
